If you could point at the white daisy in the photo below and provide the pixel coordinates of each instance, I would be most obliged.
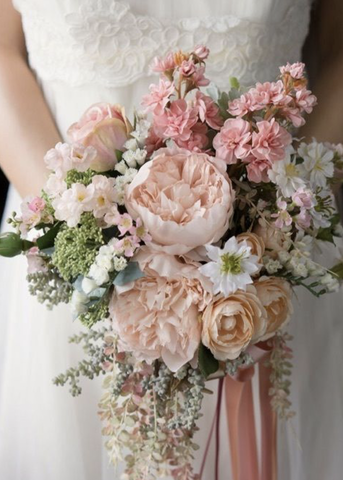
(318, 164)
(287, 175)
(231, 267)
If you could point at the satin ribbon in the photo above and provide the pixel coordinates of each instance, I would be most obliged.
(241, 422)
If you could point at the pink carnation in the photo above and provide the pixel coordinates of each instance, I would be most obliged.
(305, 100)
(161, 65)
(296, 70)
(257, 170)
(267, 93)
(270, 141)
(242, 105)
(177, 121)
(158, 98)
(208, 110)
(233, 140)
(198, 141)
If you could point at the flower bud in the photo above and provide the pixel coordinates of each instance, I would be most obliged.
(11, 244)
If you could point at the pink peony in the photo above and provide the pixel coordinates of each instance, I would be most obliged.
(157, 316)
(208, 110)
(104, 127)
(233, 140)
(296, 70)
(158, 98)
(270, 141)
(177, 121)
(183, 199)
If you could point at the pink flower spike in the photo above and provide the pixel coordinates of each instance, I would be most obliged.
(201, 51)
(158, 98)
(37, 205)
(296, 70)
(270, 141)
(125, 223)
(233, 140)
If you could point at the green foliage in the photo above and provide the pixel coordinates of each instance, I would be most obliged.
(131, 273)
(12, 245)
(207, 363)
(48, 239)
(338, 270)
(73, 176)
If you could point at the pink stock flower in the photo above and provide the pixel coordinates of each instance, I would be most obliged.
(305, 100)
(208, 110)
(37, 204)
(242, 105)
(293, 114)
(201, 51)
(177, 121)
(296, 70)
(199, 78)
(270, 141)
(154, 140)
(158, 98)
(58, 159)
(104, 127)
(160, 65)
(257, 170)
(72, 204)
(187, 68)
(267, 93)
(198, 141)
(303, 197)
(233, 140)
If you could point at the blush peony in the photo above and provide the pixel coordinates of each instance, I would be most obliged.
(157, 316)
(231, 323)
(104, 127)
(276, 297)
(183, 199)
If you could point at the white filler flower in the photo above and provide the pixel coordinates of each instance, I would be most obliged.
(231, 267)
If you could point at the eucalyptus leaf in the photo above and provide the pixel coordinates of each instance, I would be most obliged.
(131, 273)
(207, 363)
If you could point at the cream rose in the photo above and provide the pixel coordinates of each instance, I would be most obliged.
(183, 199)
(274, 239)
(231, 323)
(255, 242)
(157, 316)
(276, 297)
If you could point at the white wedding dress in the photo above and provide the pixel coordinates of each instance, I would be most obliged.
(87, 51)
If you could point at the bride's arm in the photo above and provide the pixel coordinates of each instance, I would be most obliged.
(27, 129)
(326, 121)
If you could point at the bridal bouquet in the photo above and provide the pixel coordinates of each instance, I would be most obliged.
(178, 241)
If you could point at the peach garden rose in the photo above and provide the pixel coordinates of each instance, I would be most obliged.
(183, 199)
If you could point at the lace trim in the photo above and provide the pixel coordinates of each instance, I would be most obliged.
(105, 43)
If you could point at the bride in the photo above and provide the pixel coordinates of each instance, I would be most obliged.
(86, 51)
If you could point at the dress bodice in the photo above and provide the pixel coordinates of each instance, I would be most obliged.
(106, 46)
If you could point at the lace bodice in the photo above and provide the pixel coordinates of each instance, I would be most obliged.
(111, 43)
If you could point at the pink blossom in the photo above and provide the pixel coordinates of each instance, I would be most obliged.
(296, 70)
(305, 100)
(72, 204)
(125, 224)
(303, 220)
(154, 140)
(208, 110)
(58, 159)
(37, 204)
(257, 170)
(81, 158)
(102, 195)
(30, 215)
(198, 141)
(233, 140)
(242, 105)
(140, 231)
(161, 65)
(283, 218)
(112, 216)
(270, 141)
(177, 121)
(201, 51)
(127, 245)
(158, 98)
(303, 197)
(267, 93)
(35, 263)
(55, 186)
(293, 114)
(199, 78)
(187, 68)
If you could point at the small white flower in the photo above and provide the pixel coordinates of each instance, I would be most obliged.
(318, 164)
(88, 285)
(120, 263)
(314, 269)
(231, 267)
(284, 256)
(121, 167)
(287, 175)
(272, 266)
(104, 262)
(300, 270)
(78, 303)
(131, 144)
(140, 156)
(129, 157)
(100, 275)
(330, 282)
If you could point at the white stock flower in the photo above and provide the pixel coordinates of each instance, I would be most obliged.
(88, 285)
(272, 266)
(318, 164)
(78, 303)
(100, 275)
(120, 263)
(131, 144)
(330, 282)
(231, 267)
(72, 203)
(286, 175)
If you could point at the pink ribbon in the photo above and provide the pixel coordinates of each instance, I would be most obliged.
(241, 422)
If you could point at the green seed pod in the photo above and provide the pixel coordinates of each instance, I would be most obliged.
(10, 244)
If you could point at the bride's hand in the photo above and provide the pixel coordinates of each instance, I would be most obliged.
(27, 130)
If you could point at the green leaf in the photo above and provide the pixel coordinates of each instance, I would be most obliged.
(48, 239)
(234, 83)
(207, 363)
(131, 273)
(338, 270)
(12, 245)
(325, 234)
